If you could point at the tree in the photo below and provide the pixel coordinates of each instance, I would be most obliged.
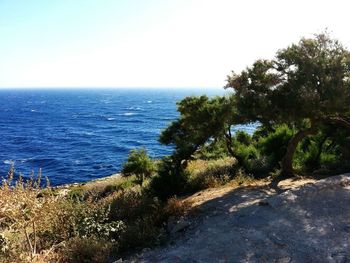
(201, 119)
(305, 86)
(170, 180)
(138, 164)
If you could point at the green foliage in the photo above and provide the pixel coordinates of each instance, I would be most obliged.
(252, 161)
(243, 138)
(245, 152)
(171, 180)
(306, 82)
(139, 164)
(326, 151)
(274, 144)
(201, 119)
(215, 149)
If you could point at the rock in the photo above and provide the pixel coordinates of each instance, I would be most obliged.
(178, 226)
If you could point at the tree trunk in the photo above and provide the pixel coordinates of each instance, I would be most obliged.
(287, 162)
(229, 146)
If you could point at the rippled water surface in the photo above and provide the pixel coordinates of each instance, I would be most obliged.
(78, 135)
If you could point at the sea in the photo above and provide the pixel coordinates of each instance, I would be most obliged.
(76, 135)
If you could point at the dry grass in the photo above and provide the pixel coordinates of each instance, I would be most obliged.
(177, 207)
(223, 165)
(37, 225)
(210, 174)
(98, 189)
(40, 224)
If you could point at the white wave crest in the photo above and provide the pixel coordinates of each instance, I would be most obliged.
(128, 113)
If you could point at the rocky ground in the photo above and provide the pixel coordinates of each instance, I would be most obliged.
(310, 222)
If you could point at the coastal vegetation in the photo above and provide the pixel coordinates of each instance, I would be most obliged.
(299, 102)
(139, 164)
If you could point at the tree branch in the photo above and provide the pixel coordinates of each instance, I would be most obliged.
(339, 120)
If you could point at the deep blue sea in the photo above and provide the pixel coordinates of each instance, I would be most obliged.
(83, 134)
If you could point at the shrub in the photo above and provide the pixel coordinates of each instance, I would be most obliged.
(274, 144)
(121, 185)
(77, 193)
(242, 178)
(243, 138)
(171, 180)
(246, 152)
(142, 215)
(131, 205)
(215, 149)
(140, 233)
(211, 173)
(87, 250)
(252, 161)
(139, 164)
(176, 207)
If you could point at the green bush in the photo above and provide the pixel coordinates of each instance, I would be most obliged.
(243, 138)
(139, 164)
(252, 161)
(274, 144)
(171, 180)
(246, 152)
(323, 151)
(215, 149)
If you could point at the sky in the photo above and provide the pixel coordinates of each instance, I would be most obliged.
(152, 43)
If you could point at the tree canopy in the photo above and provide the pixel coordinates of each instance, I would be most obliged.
(201, 119)
(310, 79)
(307, 82)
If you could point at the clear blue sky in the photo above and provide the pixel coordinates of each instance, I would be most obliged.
(151, 43)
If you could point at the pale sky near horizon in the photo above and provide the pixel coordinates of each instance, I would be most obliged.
(151, 43)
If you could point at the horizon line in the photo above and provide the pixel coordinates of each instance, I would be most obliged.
(111, 87)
